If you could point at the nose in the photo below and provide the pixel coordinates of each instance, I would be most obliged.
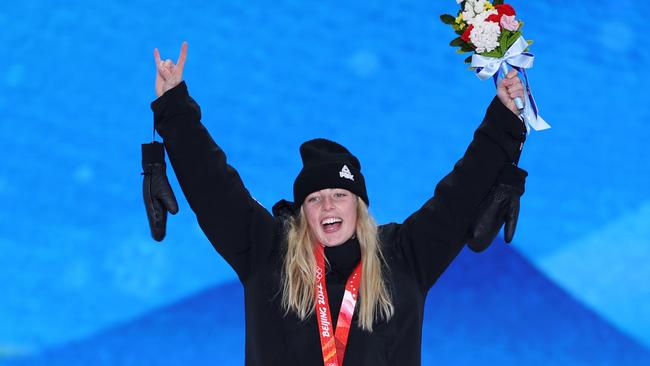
(328, 203)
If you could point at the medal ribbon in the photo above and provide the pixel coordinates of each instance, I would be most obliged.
(334, 343)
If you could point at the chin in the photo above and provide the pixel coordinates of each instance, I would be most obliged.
(332, 242)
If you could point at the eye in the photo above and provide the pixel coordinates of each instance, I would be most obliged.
(339, 194)
(312, 199)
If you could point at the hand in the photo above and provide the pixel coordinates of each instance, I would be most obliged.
(510, 88)
(168, 74)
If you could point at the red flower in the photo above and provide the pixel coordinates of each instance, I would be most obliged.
(465, 36)
(494, 18)
(505, 9)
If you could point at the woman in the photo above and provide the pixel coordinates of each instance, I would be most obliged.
(301, 264)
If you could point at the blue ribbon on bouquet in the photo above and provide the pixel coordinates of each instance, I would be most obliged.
(520, 60)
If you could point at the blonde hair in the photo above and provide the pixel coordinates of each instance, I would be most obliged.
(299, 270)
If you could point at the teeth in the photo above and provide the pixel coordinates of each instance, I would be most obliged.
(331, 220)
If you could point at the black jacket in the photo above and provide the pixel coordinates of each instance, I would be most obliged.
(251, 239)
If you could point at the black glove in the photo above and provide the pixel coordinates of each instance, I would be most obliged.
(501, 205)
(284, 209)
(158, 195)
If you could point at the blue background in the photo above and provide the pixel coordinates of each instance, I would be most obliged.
(82, 282)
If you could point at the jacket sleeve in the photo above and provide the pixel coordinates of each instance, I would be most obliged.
(228, 215)
(432, 236)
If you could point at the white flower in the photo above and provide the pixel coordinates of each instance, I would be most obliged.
(479, 6)
(475, 12)
(480, 18)
(468, 12)
(485, 36)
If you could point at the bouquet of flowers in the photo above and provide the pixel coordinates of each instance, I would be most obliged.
(493, 33)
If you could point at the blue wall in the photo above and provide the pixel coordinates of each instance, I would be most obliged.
(78, 270)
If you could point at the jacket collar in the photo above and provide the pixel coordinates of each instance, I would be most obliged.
(345, 257)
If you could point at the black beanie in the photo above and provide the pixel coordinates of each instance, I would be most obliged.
(327, 164)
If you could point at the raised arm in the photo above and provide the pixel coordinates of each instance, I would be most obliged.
(432, 237)
(231, 219)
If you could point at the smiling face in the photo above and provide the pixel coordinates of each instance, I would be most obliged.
(331, 215)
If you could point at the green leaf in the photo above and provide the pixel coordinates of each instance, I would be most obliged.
(465, 47)
(468, 60)
(448, 19)
(503, 40)
(460, 32)
(494, 53)
(497, 2)
(513, 38)
(457, 42)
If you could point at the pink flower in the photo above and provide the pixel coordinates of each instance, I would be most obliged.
(508, 22)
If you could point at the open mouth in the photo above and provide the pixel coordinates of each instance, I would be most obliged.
(331, 224)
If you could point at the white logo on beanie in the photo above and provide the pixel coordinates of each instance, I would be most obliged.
(345, 173)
